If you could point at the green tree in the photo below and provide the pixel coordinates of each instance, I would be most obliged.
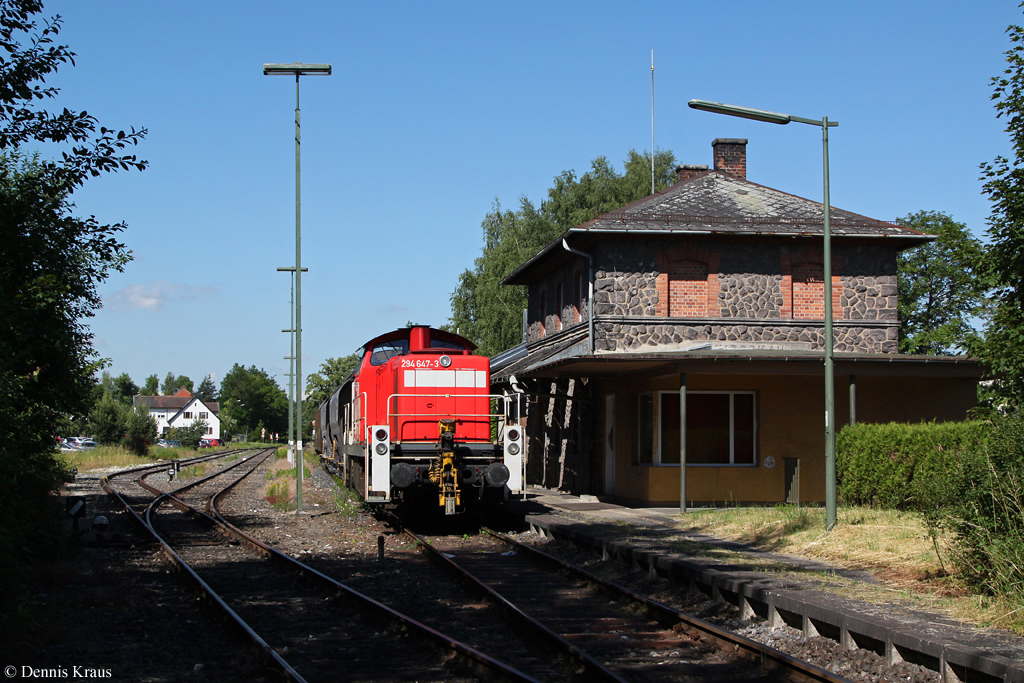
(252, 396)
(52, 262)
(1003, 347)
(322, 383)
(173, 383)
(152, 386)
(108, 420)
(490, 314)
(941, 287)
(140, 430)
(207, 389)
(125, 389)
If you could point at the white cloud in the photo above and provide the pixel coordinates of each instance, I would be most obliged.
(151, 296)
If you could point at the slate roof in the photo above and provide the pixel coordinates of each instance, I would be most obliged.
(716, 203)
(172, 402)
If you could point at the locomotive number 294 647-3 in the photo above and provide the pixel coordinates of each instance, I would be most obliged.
(421, 363)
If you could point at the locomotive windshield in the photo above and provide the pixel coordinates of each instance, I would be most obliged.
(442, 344)
(388, 349)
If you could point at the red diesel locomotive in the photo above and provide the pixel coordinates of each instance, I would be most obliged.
(414, 421)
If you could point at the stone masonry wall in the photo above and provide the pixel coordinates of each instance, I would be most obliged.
(747, 279)
(672, 336)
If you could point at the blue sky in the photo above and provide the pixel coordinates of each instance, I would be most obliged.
(435, 110)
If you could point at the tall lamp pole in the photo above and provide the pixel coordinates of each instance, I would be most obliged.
(291, 368)
(298, 70)
(830, 422)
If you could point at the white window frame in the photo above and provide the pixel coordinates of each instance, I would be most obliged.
(656, 440)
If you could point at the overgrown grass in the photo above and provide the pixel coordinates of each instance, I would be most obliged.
(346, 501)
(911, 560)
(290, 473)
(108, 456)
(279, 497)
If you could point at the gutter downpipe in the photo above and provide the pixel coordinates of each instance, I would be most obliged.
(590, 294)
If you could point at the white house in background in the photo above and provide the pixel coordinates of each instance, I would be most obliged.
(181, 410)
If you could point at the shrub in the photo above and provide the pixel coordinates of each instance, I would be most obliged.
(108, 420)
(189, 437)
(986, 512)
(904, 466)
(140, 431)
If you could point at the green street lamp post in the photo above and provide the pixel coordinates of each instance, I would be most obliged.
(298, 70)
(291, 368)
(830, 426)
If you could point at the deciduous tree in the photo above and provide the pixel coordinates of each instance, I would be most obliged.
(941, 287)
(152, 386)
(251, 396)
(489, 313)
(322, 383)
(125, 388)
(52, 262)
(1003, 348)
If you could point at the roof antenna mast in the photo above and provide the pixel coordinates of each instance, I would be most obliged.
(652, 121)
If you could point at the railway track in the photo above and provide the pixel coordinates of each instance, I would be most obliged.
(309, 627)
(611, 633)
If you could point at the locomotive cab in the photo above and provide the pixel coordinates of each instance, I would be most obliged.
(423, 425)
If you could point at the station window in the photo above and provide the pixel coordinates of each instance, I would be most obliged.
(203, 415)
(188, 416)
(721, 428)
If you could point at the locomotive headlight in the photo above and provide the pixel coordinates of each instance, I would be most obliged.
(512, 449)
(512, 434)
(445, 361)
(381, 434)
(381, 448)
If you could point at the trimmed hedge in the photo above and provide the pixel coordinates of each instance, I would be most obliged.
(905, 466)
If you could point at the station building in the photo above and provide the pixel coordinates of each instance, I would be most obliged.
(710, 295)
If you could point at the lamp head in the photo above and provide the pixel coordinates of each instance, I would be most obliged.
(297, 69)
(741, 112)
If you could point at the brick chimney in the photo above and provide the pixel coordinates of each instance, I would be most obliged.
(731, 156)
(687, 171)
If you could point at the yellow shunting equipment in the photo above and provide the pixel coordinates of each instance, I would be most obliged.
(443, 472)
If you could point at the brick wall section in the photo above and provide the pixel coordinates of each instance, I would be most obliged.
(731, 156)
(687, 289)
(803, 285)
(687, 274)
(687, 171)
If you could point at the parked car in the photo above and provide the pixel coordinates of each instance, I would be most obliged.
(78, 443)
(167, 443)
(211, 443)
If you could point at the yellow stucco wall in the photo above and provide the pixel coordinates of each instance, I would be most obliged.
(790, 424)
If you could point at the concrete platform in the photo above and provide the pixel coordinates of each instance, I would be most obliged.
(960, 653)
